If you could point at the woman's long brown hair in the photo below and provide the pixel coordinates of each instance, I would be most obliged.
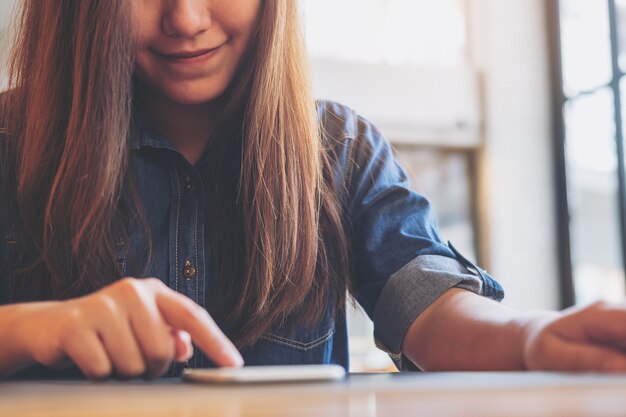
(67, 122)
(279, 242)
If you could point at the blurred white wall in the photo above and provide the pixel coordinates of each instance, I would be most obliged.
(6, 6)
(5, 10)
(510, 51)
(411, 105)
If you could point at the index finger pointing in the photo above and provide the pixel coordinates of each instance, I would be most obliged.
(182, 313)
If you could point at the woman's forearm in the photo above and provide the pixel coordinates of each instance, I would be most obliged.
(464, 331)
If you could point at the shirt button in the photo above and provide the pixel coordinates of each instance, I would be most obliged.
(189, 185)
(189, 271)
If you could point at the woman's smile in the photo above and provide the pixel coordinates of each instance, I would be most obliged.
(189, 58)
(190, 50)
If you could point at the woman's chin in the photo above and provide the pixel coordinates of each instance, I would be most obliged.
(194, 96)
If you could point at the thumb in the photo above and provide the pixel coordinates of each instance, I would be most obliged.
(579, 357)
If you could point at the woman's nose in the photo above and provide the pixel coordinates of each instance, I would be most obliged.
(186, 18)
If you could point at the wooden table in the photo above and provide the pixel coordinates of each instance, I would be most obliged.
(449, 394)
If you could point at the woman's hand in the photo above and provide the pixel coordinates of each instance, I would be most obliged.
(134, 327)
(588, 339)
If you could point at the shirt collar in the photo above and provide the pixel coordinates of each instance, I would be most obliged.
(144, 135)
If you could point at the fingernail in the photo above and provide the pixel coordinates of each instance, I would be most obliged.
(235, 357)
(240, 361)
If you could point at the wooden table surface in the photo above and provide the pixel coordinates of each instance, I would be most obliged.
(445, 394)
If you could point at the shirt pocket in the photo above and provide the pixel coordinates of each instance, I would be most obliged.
(299, 345)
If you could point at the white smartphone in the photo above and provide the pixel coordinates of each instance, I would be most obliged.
(260, 374)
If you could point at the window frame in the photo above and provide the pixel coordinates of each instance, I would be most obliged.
(560, 100)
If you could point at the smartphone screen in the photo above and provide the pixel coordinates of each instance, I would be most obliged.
(260, 374)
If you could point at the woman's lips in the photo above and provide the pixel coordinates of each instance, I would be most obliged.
(190, 54)
(188, 57)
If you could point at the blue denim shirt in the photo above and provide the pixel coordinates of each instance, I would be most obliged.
(401, 263)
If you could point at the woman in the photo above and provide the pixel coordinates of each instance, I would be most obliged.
(177, 139)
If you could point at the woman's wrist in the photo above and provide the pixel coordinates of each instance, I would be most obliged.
(18, 334)
(530, 326)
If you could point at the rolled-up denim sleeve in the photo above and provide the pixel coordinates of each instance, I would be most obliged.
(400, 264)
